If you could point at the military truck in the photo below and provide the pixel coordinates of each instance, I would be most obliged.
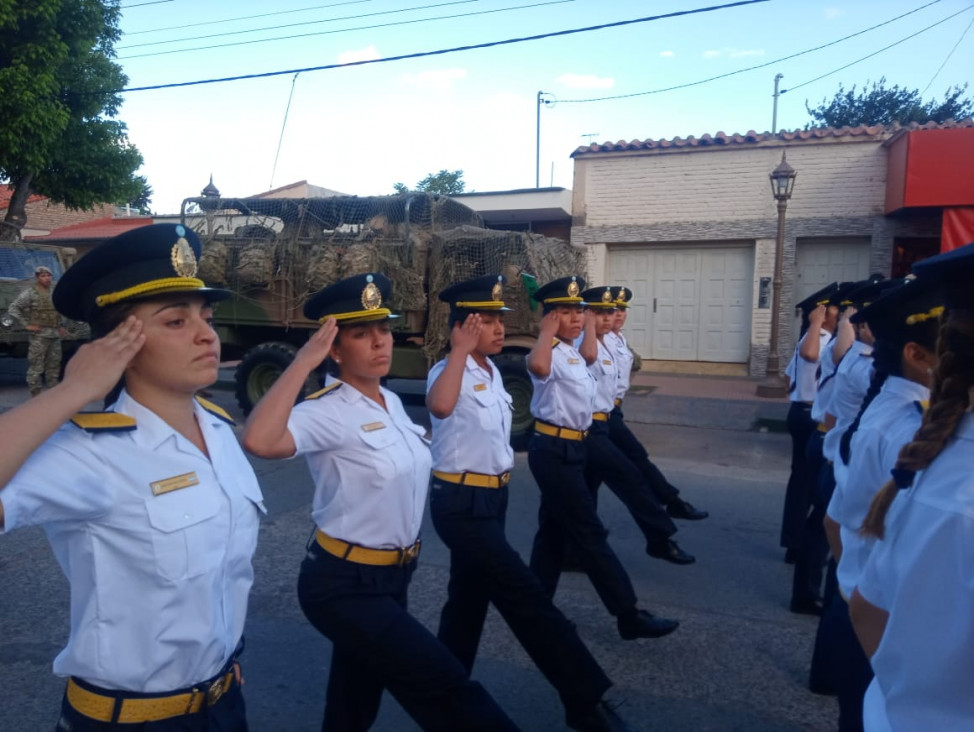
(274, 253)
(17, 263)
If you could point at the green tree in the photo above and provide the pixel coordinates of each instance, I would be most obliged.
(879, 104)
(446, 182)
(58, 101)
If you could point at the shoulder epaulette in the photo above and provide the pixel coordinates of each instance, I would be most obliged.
(215, 410)
(103, 422)
(330, 389)
(554, 342)
(921, 406)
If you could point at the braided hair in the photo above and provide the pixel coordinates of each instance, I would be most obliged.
(950, 399)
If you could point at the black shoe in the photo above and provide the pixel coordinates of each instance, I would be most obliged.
(670, 551)
(807, 607)
(680, 509)
(600, 718)
(643, 624)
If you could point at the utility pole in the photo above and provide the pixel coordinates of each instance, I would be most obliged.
(537, 144)
(774, 114)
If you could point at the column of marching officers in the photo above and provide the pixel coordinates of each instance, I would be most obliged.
(152, 510)
(881, 495)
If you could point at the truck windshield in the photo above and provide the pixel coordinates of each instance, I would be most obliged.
(18, 263)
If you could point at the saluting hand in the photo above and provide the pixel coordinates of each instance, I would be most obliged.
(589, 316)
(97, 366)
(817, 316)
(464, 338)
(319, 344)
(549, 325)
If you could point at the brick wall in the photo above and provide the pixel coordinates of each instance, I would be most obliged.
(44, 216)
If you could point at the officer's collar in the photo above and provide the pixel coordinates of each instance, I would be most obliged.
(153, 430)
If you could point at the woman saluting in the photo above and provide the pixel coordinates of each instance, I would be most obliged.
(371, 468)
(151, 507)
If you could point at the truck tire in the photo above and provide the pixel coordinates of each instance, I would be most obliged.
(260, 367)
(514, 373)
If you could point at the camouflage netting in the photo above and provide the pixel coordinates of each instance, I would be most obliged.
(274, 253)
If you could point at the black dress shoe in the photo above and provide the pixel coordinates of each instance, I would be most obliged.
(600, 718)
(643, 624)
(670, 551)
(807, 607)
(680, 509)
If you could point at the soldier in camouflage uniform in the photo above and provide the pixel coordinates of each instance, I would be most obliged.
(35, 311)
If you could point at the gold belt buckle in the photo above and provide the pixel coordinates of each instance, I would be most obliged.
(505, 478)
(217, 689)
(409, 553)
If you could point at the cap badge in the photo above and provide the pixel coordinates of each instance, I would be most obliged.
(573, 288)
(183, 259)
(371, 297)
(607, 295)
(496, 291)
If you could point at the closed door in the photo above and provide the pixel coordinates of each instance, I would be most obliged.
(690, 303)
(819, 262)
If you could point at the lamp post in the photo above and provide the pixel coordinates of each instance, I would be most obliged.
(543, 98)
(782, 184)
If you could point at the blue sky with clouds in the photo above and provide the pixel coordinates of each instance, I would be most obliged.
(361, 129)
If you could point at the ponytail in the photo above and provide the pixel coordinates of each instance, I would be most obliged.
(950, 399)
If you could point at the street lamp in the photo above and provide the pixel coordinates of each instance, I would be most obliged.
(782, 183)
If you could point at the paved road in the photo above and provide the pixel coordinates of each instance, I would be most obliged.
(739, 661)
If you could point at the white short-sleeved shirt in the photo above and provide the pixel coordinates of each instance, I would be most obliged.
(851, 384)
(159, 578)
(802, 374)
(371, 467)
(476, 437)
(566, 397)
(605, 371)
(922, 573)
(889, 423)
(825, 384)
(623, 356)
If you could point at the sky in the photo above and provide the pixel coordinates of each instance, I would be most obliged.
(360, 129)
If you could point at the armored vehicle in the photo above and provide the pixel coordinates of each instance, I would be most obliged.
(274, 252)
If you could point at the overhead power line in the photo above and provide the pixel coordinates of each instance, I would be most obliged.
(748, 68)
(874, 53)
(947, 58)
(443, 51)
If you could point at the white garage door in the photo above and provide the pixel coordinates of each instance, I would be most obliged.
(821, 261)
(691, 303)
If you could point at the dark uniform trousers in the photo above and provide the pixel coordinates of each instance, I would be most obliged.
(813, 545)
(568, 513)
(605, 462)
(797, 495)
(843, 662)
(623, 438)
(485, 569)
(226, 715)
(377, 645)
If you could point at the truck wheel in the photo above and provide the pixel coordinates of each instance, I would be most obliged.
(260, 367)
(514, 372)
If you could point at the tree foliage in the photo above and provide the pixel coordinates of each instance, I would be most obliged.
(446, 182)
(879, 104)
(58, 101)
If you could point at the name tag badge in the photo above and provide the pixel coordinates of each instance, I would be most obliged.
(573, 361)
(606, 362)
(480, 387)
(175, 483)
(373, 426)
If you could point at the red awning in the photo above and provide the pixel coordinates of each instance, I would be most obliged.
(931, 168)
(957, 229)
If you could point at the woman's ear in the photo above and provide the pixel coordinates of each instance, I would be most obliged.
(918, 363)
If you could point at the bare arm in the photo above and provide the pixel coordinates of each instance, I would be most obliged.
(869, 622)
(834, 537)
(441, 399)
(266, 434)
(810, 348)
(539, 359)
(845, 336)
(589, 347)
(89, 376)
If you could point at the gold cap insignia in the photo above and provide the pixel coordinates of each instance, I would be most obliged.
(573, 289)
(183, 259)
(371, 297)
(496, 291)
(607, 295)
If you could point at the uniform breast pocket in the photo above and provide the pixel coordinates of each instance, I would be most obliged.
(188, 537)
(383, 450)
(487, 407)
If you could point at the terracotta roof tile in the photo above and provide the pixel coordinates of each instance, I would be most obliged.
(721, 139)
(97, 229)
(6, 193)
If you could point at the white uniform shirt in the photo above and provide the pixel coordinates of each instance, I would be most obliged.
(803, 374)
(623, 356)
(889, 423)
(825, 384)
(605, 372)
(852, 379)
(923, 575)
(476, 437)
(371, 467)
(566, 397)
(159, 583)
